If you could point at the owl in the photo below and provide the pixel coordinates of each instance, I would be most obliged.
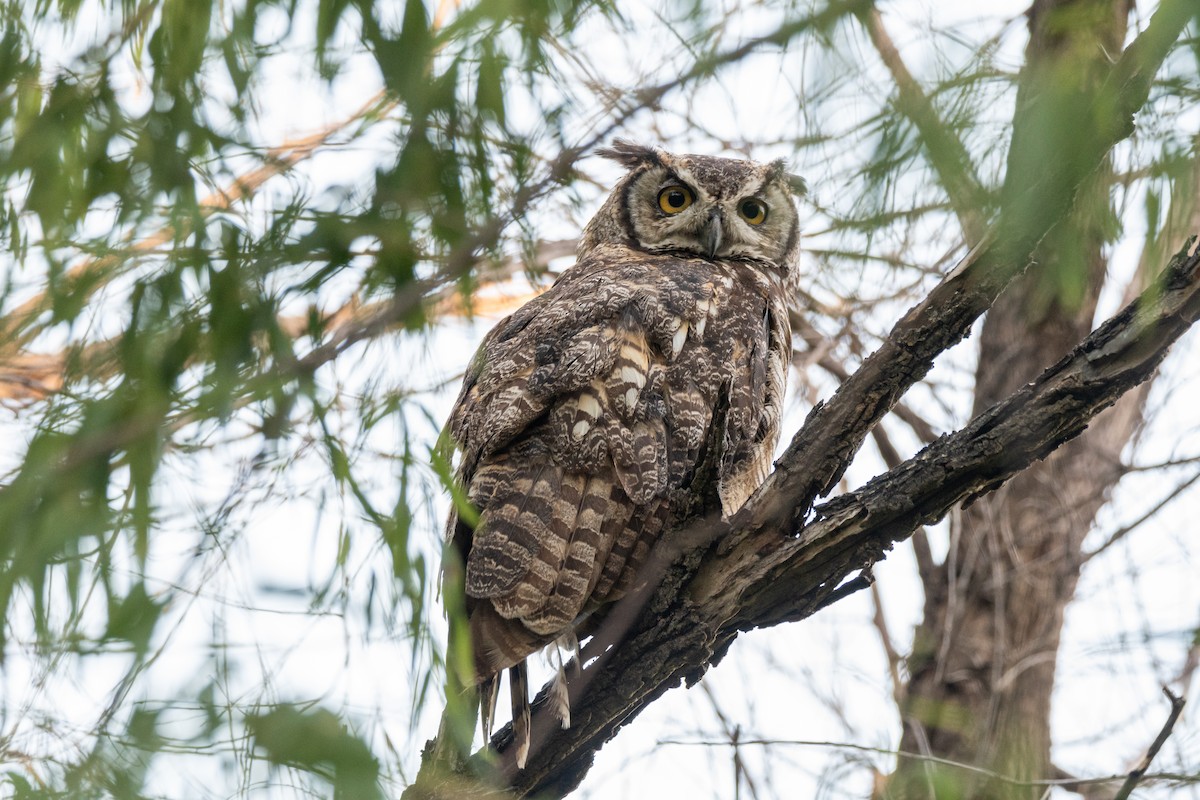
(645, 386)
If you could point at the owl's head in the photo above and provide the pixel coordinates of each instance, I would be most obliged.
(720, 209)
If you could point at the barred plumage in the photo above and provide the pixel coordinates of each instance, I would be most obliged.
(586, 416)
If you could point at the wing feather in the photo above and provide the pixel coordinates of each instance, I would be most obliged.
(755, 400)
(574, 578)
(510, 532)
(539, 513)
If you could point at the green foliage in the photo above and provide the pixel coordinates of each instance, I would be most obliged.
(318, 742)
(168, 312)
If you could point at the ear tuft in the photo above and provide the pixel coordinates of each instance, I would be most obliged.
(798, 185)
(795, 183)
(629, 154)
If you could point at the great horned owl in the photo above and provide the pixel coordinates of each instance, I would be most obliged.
(645, 385)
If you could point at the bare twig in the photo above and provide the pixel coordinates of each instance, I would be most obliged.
(816, 343)
(894, 659)
(1120, 533)
(1158, 465)
(1061, 780)
(733, 732)
(1139, 772)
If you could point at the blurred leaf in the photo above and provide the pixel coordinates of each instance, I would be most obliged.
(489, 93)
(319, 742)
(21, 788)
(133, 617)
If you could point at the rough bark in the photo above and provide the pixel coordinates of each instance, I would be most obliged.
(759, 570)
(763, 568)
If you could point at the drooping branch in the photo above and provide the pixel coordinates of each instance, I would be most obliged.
(17, 325)
(945, 151)
(462, 259)
(771, 577)
(30, 377)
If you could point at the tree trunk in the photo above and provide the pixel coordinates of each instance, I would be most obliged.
(983, 661)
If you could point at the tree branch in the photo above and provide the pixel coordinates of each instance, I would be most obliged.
(30, 377)
(1037, 197)
(945, 151)
(1139, 771)
(16, 329)
(779, 559)
(705, 599)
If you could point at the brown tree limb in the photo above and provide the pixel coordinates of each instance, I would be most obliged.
(926, 563)
(707, 599)
(835, 430)
(815, 341)
(687, 612)
(754, 581)
(29, 377)
(1134, 72)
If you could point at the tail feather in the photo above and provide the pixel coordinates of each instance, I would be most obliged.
(560, 699)
(569, 640)
(489, 688)
(518, 684)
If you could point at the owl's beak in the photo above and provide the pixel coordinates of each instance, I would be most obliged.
(713, 233)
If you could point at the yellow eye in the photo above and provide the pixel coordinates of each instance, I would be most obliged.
(674, 199)
(753, 211)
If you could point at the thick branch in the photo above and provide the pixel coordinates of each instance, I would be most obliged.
(768, 578)
(997, 444)
(751, 573)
